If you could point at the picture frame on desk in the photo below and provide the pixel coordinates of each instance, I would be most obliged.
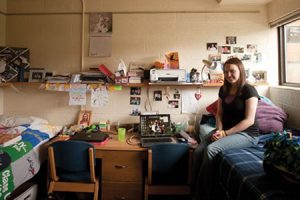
(37, 75)
(84, 117)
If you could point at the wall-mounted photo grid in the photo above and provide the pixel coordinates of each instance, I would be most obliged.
(135, 100)
(248, 53)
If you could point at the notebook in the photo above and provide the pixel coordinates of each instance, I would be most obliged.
(90, 136)
(155, 129)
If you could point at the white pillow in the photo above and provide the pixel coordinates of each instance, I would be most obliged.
(7, 121)
(36, 120)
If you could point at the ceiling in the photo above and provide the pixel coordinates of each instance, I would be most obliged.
(241, 2)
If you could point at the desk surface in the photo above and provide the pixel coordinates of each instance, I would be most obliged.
(114, 144)
(111, 144)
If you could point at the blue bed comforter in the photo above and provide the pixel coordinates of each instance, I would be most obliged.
(241, 176)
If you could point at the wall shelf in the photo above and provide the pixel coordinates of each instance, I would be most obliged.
(15, 85)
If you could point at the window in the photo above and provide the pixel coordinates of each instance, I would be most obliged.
(289, 53)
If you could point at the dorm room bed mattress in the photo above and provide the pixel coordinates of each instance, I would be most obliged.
(242, 177)
(19, 162)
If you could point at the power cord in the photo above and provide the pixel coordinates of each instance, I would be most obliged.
(148, 106)
(133, 140)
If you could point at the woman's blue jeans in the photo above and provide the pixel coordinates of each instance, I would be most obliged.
(204, 170)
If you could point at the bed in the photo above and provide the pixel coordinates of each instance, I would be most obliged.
(241, 176)
(22, 160)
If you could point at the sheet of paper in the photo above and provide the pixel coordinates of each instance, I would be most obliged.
(99, 97)
(100, 46)
(77, 94)
(189, 102)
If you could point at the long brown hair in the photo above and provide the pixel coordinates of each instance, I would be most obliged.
(242, 80)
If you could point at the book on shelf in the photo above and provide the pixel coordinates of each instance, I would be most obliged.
(58, 79)
(135, 79)
(7, 139)
(106, 71)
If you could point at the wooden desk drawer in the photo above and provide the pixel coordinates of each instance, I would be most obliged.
(125, 166)
(121, 191)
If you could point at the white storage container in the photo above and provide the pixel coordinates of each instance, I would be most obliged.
(29, 194)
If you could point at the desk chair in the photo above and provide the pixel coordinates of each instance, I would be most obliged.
(72, 167)
(168, 170)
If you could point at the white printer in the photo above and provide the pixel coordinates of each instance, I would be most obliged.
(167, 75)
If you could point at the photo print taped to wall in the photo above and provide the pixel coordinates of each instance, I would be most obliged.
(212, 46)
(231, 40)
(173, 104)
(157, 95)
(135, 100)
(135, 91)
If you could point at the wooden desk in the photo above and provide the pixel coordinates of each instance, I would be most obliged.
(121, 169)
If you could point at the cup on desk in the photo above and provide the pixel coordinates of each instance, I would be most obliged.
(122, 134)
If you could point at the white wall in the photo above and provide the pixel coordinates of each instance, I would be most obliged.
(142, 31)
(288, 99)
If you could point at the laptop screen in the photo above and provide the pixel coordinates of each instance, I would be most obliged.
(155, 125)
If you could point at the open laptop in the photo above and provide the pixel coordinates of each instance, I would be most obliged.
(155, 129)
(90, 136)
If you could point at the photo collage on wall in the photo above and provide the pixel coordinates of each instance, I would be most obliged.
(13, 62)
(173, 98)
(247, 53)
(173, 102)
(135, 99)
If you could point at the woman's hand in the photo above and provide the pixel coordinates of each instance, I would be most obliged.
(218, 135)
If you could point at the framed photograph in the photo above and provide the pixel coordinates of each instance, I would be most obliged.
(37, 75)
(260, 76)
(84, 117)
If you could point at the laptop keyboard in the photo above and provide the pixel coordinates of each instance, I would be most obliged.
(157, 140)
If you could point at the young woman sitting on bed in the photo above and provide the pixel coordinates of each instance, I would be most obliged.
(236, 127)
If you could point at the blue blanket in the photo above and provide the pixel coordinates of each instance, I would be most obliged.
(242, 177)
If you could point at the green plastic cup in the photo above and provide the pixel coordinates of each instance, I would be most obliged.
(122, 134)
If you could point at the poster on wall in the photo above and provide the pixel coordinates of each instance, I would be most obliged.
(77, 94)
(13, 62)
(100, 30)
(100, 23)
